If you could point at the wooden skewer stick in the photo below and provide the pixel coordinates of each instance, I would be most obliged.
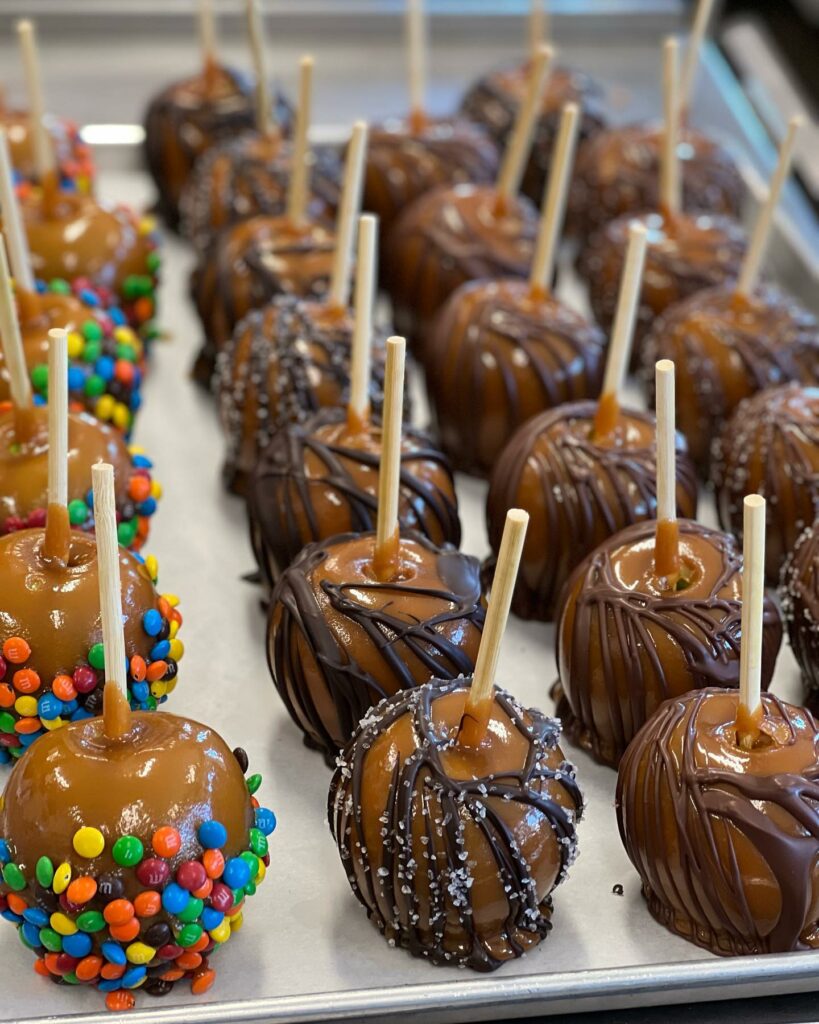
(666, 545)
(387, 538)
(538, 25)
(19, 384)
(619, 352)
(116, 710)
(207, 32)
(554, 201)
(264, 110)
(57, 541)
(511, 170)
(417, 48)
(670, 163)
(749, 274)
(16, 240)
(479, 702)
(348, 213)
(692, 53)
(298, 190)
(358, 409)
(753, 592)
(44, 158)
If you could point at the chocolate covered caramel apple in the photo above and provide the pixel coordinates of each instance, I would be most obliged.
(456, 234)
(627, 640)
(770, 446)
(799, 598)
(503, 350)
(725, 840)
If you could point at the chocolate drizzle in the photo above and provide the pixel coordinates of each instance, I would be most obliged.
(726, 348)
(497, 357)
(771, 447)
(314, 480)
(454, 855)
(799, 593)
(285, 363)
(625, 645)
(578, 492)
(338, 640)
(726, 842)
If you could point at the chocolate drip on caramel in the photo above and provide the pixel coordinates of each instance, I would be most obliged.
(314, 476)
(799, 593)
(771, 447)
(578, 492)
(727, 347)
(498, 356)
(339, 640)
(432, 840)
(726, 842)
(624, 644)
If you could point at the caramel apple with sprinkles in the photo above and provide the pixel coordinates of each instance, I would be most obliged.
(455, 811)
(357, 617)
(135, 883)
(50, 652)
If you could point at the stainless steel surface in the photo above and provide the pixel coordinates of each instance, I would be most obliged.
(307, 952)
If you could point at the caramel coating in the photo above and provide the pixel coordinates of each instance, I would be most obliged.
(319, 478)
(493, 101)
(284, 363)
(686, 253)
(799, 597)
(727, 347)
(497, 356)
(627, 640)
(406, 160)
(450, 236)
(454, 851)
(578, 491)
(617, 172)
(725, 840)
(249, 264)
(165, 771)
(248, 176)
(770, 446)
(338, 639)
(24, 466)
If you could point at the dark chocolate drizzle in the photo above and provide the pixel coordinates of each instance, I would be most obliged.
(486, 338)
(295, 610)
(450, 804)
(281, 511)
(768, 448)
(687, 853)
(588, 492)
(628, 623)
(799, 594)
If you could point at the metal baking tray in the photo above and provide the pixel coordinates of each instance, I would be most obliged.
(307, 951)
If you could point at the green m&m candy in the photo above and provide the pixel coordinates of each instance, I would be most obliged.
(128, 851)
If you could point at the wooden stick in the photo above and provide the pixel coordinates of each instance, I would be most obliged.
(207, 32)
(554, 201)
(297, 192)
(19, 383)
(692, 53)
(387, 538)
(264, 121)
(666, 546)
(358, 409)
(619, 352)
(44, 157)
(753, 592)
(479, 702)
(417, 48)
(749, 273)
(348, 212)
(517, 150)
(57, 541)
(16, 241)
(116, 712)
(670, 163)
(538, 25)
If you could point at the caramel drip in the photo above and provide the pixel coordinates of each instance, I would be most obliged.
(474, 723)
(51, 195)
(387, 558)
(417, 121)
(210, 75)
(500, 206)
(748, 723)
(116, 712)
(57, 537)
(26, 424)
(356, 424)
(605, 419)
(667, 551)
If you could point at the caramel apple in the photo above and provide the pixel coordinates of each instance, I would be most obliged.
(628, 639)
(73, 156)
